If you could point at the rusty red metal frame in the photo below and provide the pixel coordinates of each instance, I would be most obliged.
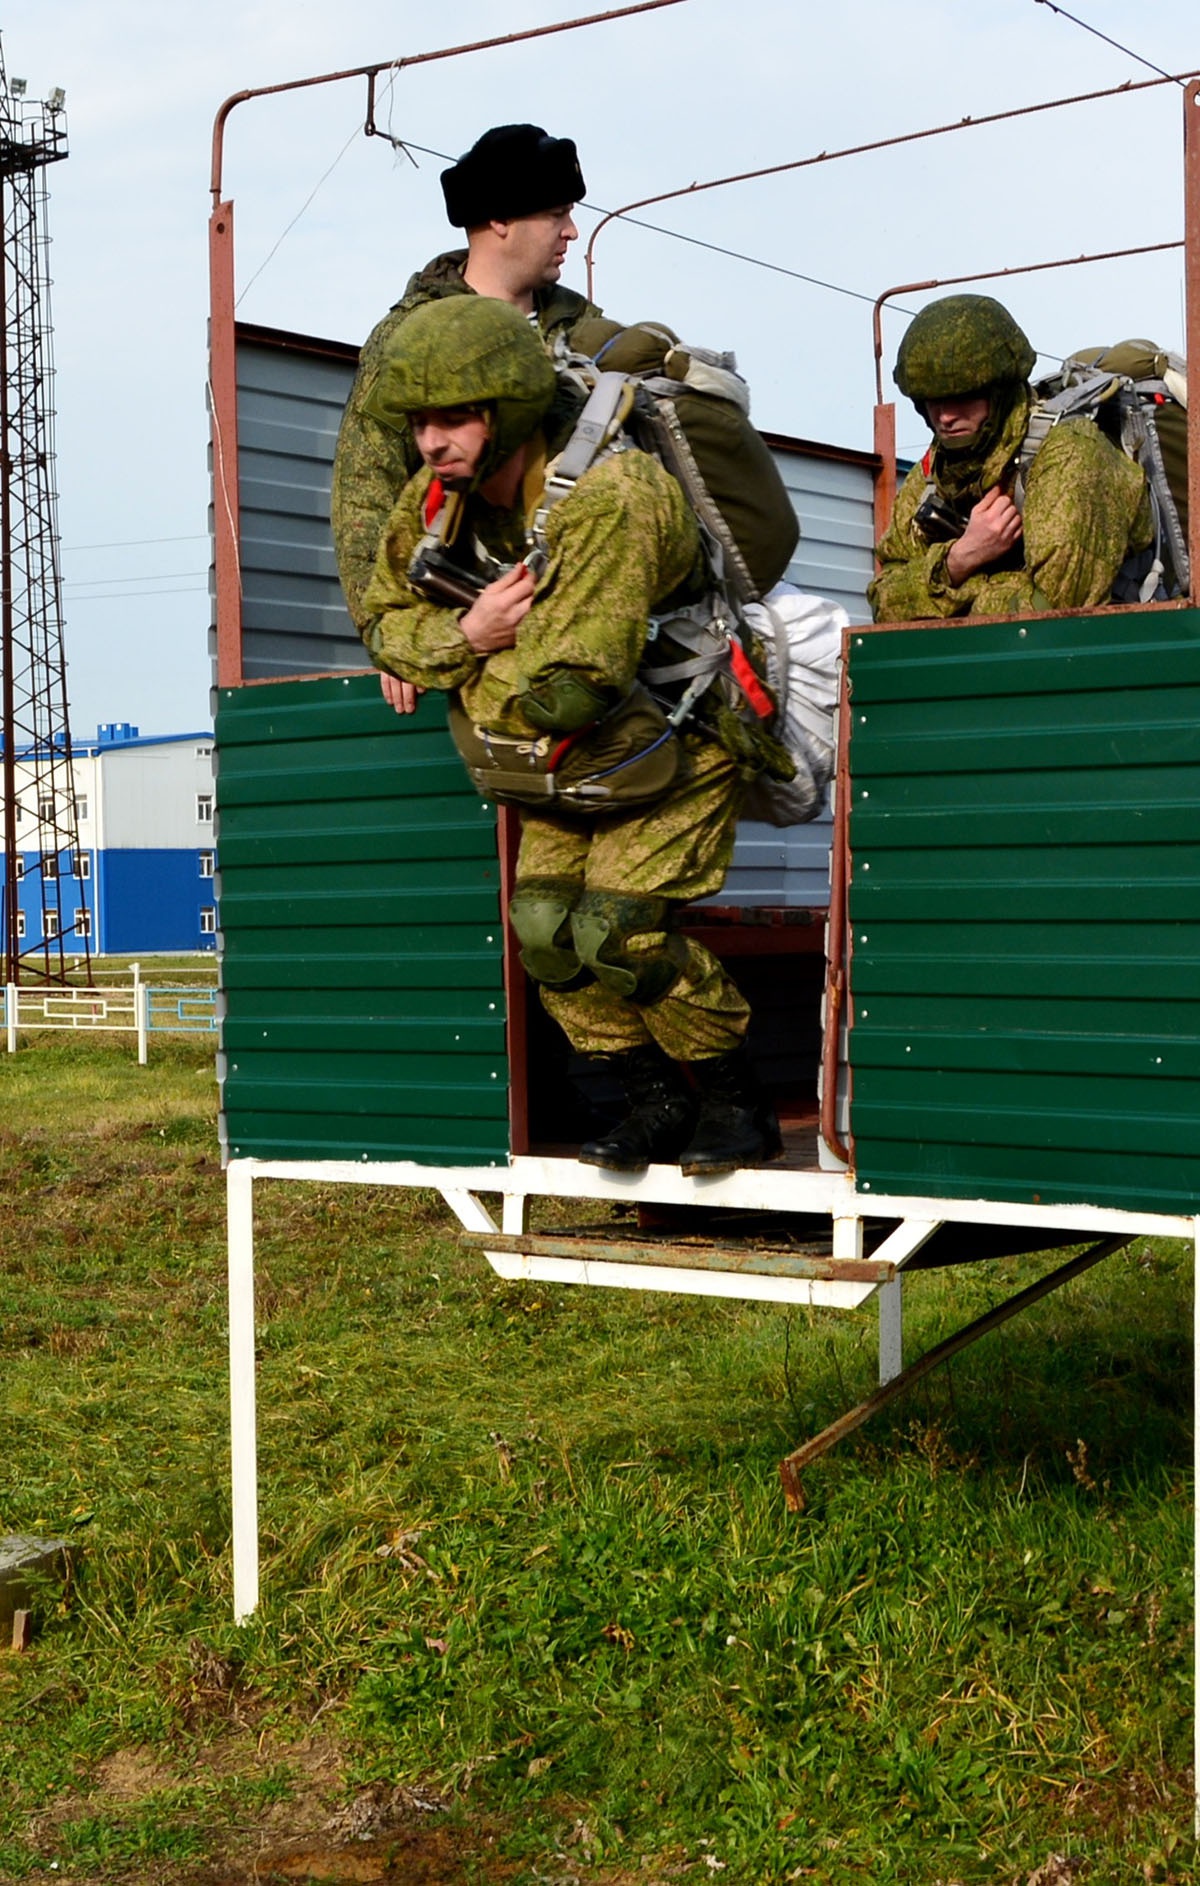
(222, 386)
(793, 1464)
(372, 72)
(838, 942)
(861, 150)
(995, 274)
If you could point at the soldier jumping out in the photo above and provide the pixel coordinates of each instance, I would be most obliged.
(558, 653)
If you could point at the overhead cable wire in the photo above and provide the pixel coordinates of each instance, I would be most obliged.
(133, 594)
(158, 576)
(136, 543)
(273, 251)
(1115, 43)
(677, 235)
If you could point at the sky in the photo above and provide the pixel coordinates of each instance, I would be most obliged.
(329, 224)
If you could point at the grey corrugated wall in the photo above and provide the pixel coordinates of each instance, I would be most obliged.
(290, 398)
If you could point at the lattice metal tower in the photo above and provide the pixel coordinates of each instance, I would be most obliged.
(41, 830)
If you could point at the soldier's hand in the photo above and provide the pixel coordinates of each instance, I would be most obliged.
(402, 695)
(993, 528)
(492, 622)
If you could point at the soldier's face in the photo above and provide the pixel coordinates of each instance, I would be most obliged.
(954, 421)
(537, 245)
(452, 439)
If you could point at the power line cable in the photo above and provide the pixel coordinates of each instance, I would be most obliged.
(105, 582)
(278, 244)
(396, 144)
(1115, 43)
(136, 543)
(132, 595)
(696, 242)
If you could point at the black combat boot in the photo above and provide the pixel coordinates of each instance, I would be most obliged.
(662, 1113)
(737, 1124)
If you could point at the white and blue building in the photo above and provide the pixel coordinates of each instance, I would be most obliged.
(143, 876)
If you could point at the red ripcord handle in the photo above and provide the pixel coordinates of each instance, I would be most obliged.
(750, 684)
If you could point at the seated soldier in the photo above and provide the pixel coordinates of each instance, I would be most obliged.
(548, 662)
(960, 541)
(513, 193)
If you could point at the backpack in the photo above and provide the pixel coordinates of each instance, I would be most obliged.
(705, 649)
(1137, 395)
(693, 418)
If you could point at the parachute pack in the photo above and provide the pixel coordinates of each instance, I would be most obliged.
(1137, 394)
(687, 407)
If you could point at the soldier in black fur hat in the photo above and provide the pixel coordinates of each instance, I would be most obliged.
(513, 193)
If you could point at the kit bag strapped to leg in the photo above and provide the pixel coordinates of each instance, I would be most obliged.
(627, 760)
(1137, 394)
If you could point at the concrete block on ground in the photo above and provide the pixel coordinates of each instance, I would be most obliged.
(20, 1557)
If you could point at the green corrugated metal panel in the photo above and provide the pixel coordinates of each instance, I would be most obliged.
(1025, 910)
(361, 934)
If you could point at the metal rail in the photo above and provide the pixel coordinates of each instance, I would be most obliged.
(861, 150)
(371, 73)
(793, 1464)
(766, 1261)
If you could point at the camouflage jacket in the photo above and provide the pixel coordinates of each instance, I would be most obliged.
(373, 463)
(1086, 509)
(622, 540)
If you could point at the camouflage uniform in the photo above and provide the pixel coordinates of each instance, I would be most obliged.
(1086, 509)
(374, 462)
(619, 543)
(1086, 505)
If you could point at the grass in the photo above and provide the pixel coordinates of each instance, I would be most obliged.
(526, 1560)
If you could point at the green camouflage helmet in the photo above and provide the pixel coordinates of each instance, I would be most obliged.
(959, 345)
(467, 350)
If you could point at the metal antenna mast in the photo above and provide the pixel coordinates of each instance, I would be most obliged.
(38, 782)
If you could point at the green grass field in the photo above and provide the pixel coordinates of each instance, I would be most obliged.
(533, 1607)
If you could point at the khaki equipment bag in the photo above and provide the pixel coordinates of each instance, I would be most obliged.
(626, 760)
(693, 414)
(1137, 394)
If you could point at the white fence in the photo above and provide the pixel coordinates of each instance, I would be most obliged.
(141, 1009)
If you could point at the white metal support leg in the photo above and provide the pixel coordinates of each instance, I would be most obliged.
(515, 1217)
(848, 1239)
(891, 1330)
(242, 1417)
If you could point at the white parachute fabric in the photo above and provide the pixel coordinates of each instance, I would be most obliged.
(802, 638)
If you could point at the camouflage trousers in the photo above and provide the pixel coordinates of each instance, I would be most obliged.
(676, 851)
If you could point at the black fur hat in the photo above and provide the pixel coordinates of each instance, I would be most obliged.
(512, 170)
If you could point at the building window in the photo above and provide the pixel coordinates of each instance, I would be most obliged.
(83, 922)
(81, 807)
(204, 808)
(51, 923)
(204, 753)
(20, 923)
(46, 811)
(208, 920)
(20, 867)
(208, 861)
(81, 864)
(49, 865)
